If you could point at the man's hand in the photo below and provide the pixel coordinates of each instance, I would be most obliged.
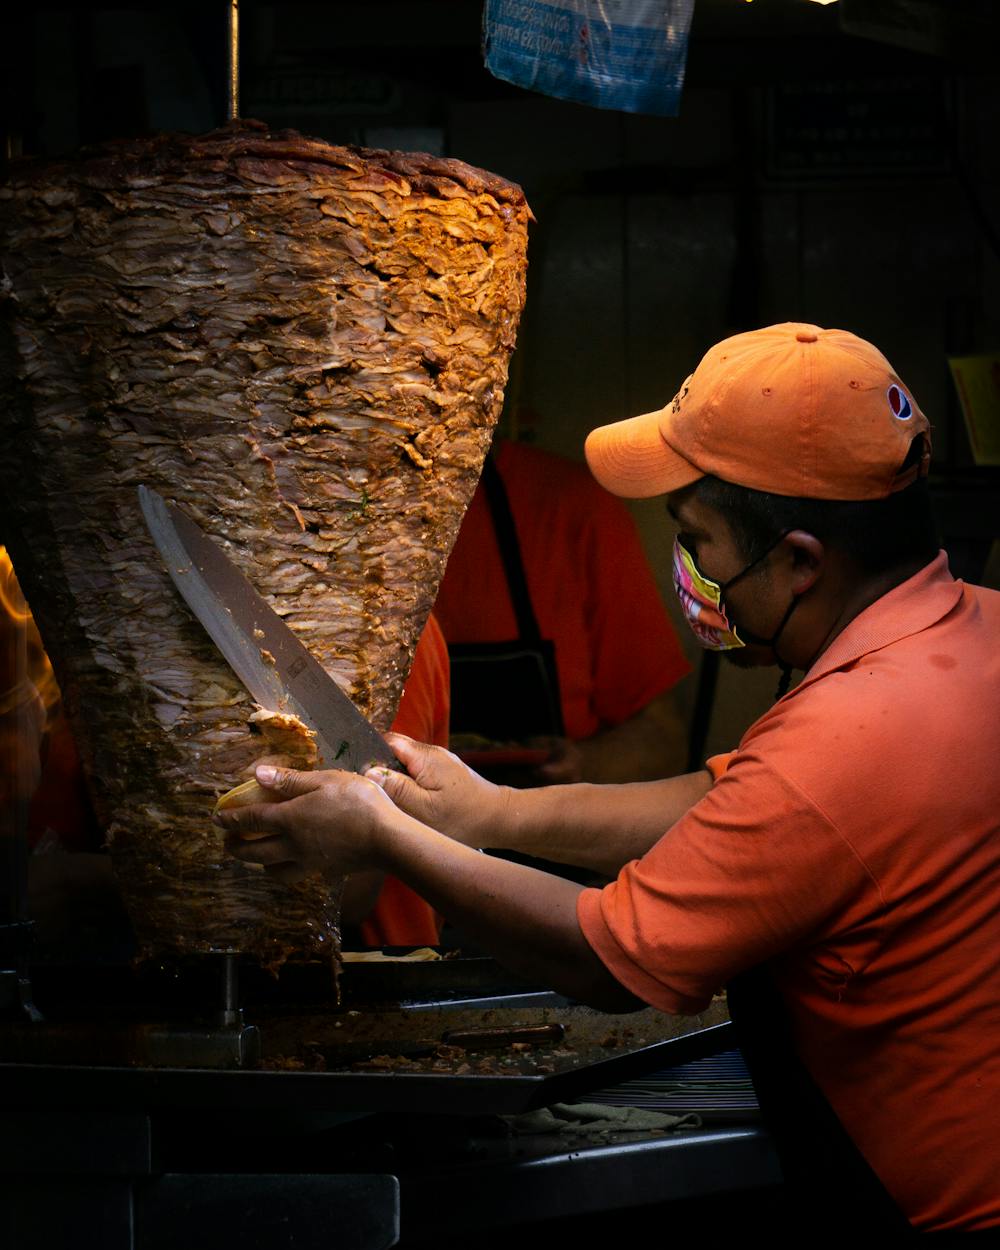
(444, 793)
(326, 822)
(648, 746)
(565, 764)
(338, 823)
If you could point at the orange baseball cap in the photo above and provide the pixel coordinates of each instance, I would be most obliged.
(791, 409)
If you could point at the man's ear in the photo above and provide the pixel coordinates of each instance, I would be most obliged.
(808, 556)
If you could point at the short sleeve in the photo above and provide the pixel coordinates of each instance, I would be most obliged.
(718, 765)
(751, 871)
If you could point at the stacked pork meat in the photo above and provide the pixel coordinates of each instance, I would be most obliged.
(306, 347)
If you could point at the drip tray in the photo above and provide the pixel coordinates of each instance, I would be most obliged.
(500, 1060)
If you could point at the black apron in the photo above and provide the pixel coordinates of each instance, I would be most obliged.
(506, 691)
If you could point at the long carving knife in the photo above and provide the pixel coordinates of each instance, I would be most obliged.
(263, 652)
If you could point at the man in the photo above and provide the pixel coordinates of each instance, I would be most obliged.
(841, 868)
(545, 550)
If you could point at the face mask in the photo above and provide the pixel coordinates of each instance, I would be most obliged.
(701, 602)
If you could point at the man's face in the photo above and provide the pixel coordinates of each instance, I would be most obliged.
(754, 602)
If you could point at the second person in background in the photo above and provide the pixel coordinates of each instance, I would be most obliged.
(556, 629)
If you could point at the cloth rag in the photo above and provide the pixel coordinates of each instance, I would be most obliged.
(590, 1118)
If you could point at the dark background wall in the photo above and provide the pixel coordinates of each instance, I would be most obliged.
(813, 174)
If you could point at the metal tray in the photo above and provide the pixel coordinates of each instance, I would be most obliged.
(598, 1050)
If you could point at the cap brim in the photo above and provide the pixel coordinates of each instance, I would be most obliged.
(630, 458)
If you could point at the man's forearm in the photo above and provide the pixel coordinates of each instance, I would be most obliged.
(648, 746)
(525, 918)
(597, 827)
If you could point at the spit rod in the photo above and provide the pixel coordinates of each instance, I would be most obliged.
(230, 1010)
(233, 102)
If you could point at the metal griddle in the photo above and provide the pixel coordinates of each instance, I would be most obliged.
(597, 1050)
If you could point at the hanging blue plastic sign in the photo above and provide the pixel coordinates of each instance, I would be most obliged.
(612, 54)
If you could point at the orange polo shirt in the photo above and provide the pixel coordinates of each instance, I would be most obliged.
(590, 584)
(400, 917)
(853, 844)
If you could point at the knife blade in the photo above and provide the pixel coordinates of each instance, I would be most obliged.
(278, 671)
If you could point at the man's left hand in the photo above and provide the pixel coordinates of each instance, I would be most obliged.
(325, 822)
(565, 764)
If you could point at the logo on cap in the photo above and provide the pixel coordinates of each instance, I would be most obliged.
(680, 396)
(899, 402)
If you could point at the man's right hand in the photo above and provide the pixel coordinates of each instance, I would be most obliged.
(444, 793)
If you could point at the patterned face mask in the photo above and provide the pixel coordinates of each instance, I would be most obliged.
(701, 602)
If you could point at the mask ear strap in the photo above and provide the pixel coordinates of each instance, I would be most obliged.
(784, 682)
(724, 586)
(772, 642)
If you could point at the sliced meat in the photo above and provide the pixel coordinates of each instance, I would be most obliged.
(303, 345)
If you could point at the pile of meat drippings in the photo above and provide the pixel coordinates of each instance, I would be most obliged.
(305, 346)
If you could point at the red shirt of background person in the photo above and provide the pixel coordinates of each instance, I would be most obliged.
(400, 917)
(593, 595)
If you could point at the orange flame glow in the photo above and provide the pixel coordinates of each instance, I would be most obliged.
(38, 681)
